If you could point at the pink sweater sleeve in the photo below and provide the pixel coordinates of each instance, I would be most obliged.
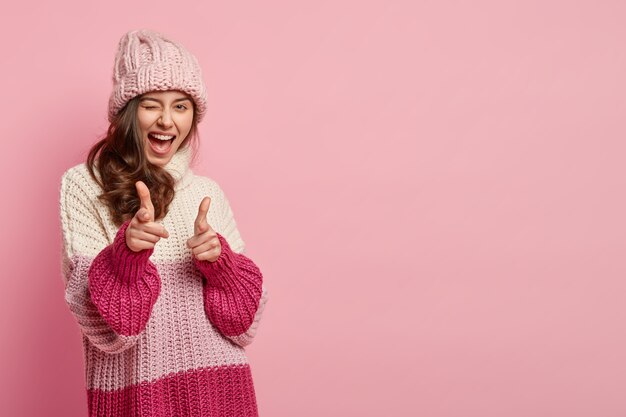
(232, 290)
(124, 285)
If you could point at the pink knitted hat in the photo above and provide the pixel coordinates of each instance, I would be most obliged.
(147, 61)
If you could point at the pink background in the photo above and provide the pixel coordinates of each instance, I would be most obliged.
(435, 192)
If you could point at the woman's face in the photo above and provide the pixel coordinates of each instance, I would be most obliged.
(165, 119)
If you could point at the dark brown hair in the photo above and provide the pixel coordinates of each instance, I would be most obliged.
(121, 162)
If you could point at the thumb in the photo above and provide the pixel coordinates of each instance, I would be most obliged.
(146, 209)
(201, 224)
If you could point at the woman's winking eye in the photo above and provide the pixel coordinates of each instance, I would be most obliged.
(179, 106)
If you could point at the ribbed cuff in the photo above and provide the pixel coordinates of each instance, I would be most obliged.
(232, 290)
(217, 272)
(124, 285)
(128, 265)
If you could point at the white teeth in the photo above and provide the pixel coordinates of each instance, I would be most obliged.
(162, 137)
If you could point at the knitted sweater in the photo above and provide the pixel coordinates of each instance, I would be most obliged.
(163, 333)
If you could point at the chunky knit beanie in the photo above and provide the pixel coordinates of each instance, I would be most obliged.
(147, 61)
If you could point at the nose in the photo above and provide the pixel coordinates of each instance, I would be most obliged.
(166, 119)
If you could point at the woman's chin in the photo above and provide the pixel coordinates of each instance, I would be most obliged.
(159, 160)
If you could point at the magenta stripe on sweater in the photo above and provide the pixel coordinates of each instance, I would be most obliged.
(232, 290)
(226, 391)
(124, 285)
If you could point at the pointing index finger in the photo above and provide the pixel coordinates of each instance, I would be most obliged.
(144, 197)
(203, 210)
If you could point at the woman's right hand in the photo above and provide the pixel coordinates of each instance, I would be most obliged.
(143, 232)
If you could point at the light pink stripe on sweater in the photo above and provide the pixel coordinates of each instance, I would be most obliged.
(178, 337)
(185, 327)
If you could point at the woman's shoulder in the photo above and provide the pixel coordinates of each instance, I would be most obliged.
(76, 170)
(78, 179)
(208, 184)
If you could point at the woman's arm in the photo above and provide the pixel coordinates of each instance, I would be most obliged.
(124, 285)
(234, 292)
(109, 289)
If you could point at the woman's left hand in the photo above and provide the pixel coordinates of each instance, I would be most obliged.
(204, 244)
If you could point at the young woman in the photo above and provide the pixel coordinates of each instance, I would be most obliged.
(154, 266)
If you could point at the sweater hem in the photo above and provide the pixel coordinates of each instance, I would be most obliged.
(208, 392)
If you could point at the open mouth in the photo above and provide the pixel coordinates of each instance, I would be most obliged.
(160, 144)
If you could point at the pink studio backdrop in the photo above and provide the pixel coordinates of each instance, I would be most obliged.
(435, 192)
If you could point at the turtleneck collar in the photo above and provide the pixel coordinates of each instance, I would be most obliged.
(179, 168)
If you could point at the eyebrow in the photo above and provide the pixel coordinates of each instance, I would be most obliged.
(159, 101)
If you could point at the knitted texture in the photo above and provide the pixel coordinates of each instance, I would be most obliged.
(124, 285)
(147, 60)
(232, 290)
(164, 333)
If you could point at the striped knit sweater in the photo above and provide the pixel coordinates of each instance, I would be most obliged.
(163, 333)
